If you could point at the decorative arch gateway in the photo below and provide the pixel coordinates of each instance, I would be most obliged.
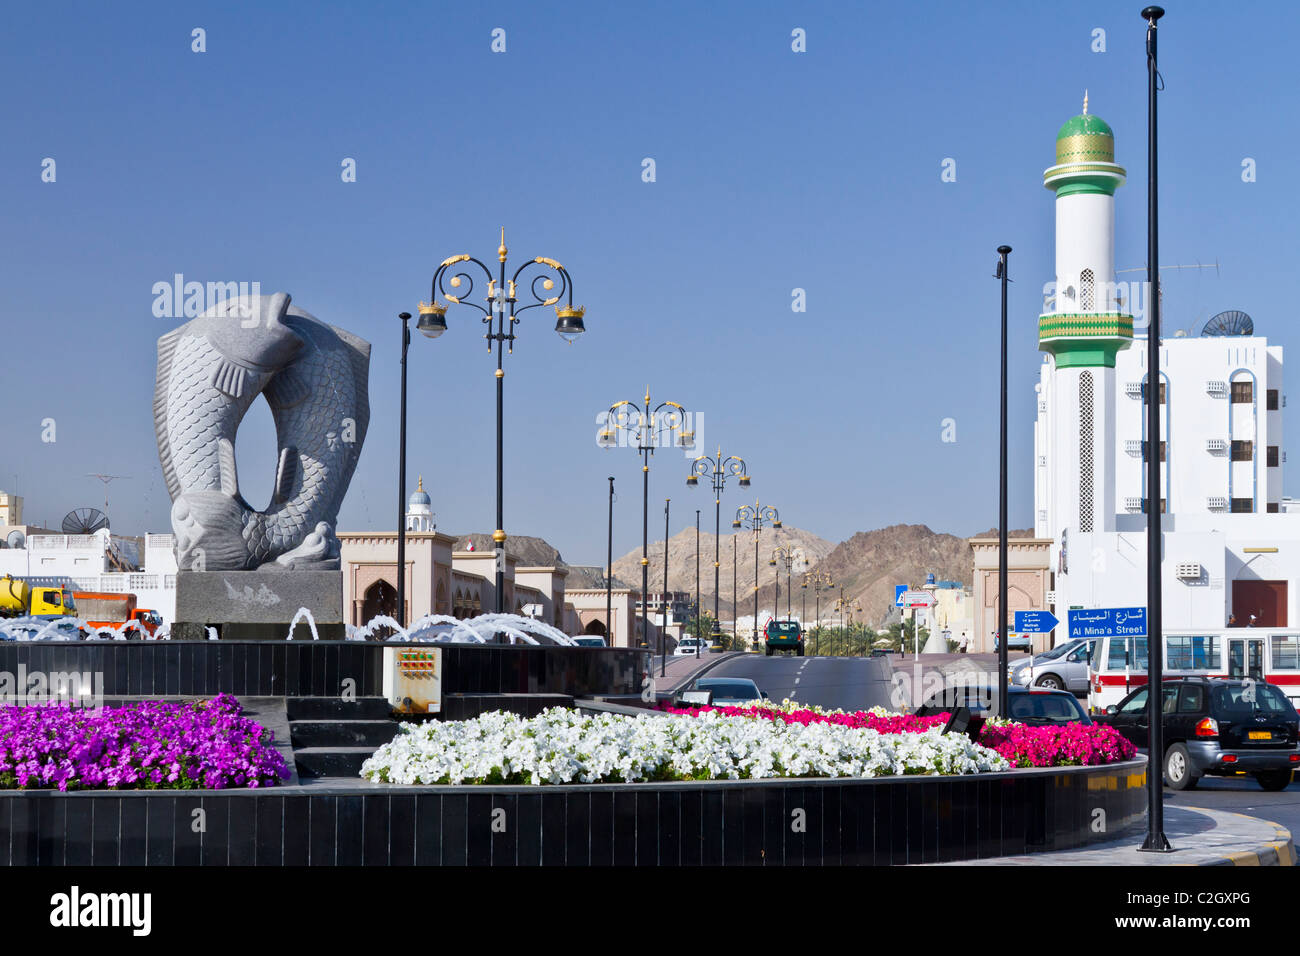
(597, 627)
(440, 605)
(379, 598)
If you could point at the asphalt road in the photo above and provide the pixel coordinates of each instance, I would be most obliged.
(849, 683)
(1242, 795)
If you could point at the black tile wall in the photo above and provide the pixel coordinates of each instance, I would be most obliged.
(855, 822)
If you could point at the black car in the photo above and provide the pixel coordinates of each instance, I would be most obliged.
(1032, 706)
(1216, 727)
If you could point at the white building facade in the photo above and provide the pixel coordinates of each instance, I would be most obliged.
(1231, 550)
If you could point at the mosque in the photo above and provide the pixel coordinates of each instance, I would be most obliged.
(1231, 541)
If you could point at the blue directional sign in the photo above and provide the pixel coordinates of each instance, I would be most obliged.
(1035, 622)
(1108, 622)
(898, 594)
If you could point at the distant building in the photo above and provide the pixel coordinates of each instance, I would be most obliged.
(11, 509)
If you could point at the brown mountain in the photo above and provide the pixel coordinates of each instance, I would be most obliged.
(807, 547)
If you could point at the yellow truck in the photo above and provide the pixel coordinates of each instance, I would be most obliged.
(18, 598)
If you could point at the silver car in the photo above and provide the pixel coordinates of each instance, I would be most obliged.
(1064, 667)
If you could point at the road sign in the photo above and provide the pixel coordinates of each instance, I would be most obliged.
(1035, 622)
(899, 591)
(1108, 622)
(917, 599)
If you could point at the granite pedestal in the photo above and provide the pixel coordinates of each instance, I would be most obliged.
(258, 605)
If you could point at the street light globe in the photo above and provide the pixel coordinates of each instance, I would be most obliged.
(744, 481)
(433, 320)
(568, 323)
(692, 481)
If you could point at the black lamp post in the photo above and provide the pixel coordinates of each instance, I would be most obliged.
(754, 517)
(649, 428)
(783, 556)
(821, 581)
(718, 469)
(697, 584)
(401, 481)
(663, 604)
(609, 570)
(1155, 841)
(1003, 629)
(500, 317)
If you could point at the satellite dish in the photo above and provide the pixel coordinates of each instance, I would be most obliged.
(16, 540)
(84, 521)
(1232, 322)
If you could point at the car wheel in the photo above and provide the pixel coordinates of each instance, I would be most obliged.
(1274, 779)
(1049, 682)
(1178, 769)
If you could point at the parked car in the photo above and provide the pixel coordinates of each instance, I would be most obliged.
(1216, 727)
(1064, 667)
(1018, 642)
(730, 691)
(589, 641)
(689, 645)
(1035, 707)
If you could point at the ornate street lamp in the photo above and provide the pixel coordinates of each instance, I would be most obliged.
(821, 581)
(718, 470)
(649, 428)
(500, 316)
(754, 517)
(783, 556)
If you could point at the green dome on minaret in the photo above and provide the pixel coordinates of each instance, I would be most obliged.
(1085, 157)
(1085, 124)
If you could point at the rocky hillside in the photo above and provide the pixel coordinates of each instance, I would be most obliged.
(809, 549)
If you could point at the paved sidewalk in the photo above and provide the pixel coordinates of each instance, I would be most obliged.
(1199, 837)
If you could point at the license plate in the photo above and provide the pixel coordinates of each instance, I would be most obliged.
(1260, 735)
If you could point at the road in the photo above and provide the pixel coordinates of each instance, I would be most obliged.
(848, 683)
(1242, 795)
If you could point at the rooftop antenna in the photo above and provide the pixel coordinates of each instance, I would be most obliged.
(106, 479)
(1198, 265)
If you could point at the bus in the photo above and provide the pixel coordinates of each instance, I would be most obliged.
(1118, 665)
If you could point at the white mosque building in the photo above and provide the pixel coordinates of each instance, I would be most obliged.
(1231, 549)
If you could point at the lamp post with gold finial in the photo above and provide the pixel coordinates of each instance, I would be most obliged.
(650, 427)
(821, 581)
(755, 516)
(500, 317)
(718, 470)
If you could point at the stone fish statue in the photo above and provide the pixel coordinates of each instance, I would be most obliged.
(314, 377)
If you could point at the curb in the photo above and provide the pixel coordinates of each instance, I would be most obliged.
(695, 675)
(1280, 851)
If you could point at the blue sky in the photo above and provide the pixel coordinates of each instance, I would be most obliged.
(775, 170)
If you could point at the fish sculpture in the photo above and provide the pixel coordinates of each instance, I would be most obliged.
(314, 377)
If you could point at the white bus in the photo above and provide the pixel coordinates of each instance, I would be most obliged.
(1118, 665)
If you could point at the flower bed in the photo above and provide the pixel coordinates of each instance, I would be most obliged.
(148, 745)
(1020, 745)
(564, 746)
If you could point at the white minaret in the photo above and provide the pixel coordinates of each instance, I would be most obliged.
(419, 511)
(1082, 329)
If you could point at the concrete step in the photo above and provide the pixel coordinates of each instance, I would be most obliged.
(336, 708)
(331, 761)
(342, 733)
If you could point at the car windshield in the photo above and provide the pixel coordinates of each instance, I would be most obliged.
(741, 690)
(1059, 651)
(1251, 698)
(1054, 708)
